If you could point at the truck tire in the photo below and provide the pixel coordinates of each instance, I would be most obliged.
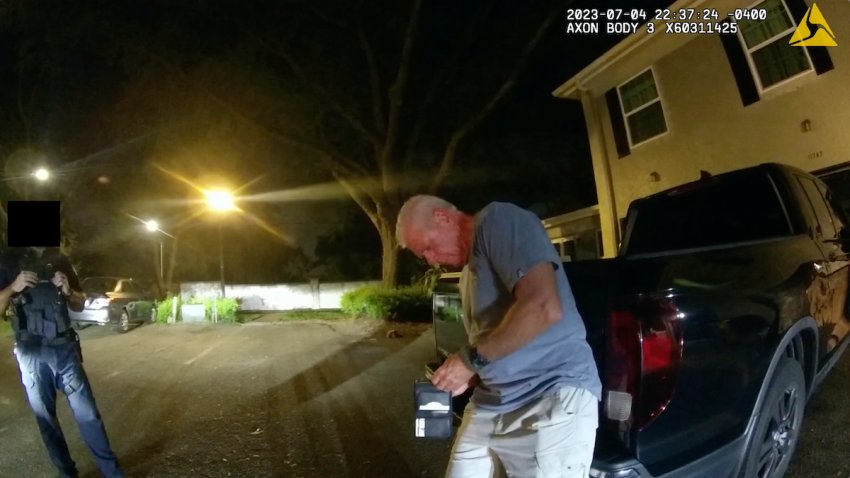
(779, 424)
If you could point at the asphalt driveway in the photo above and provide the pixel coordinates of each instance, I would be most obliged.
(301, 399)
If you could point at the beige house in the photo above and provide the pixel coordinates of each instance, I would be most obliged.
(576, 235)
(662, 107)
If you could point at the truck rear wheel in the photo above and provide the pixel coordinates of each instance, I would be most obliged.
(779, 424)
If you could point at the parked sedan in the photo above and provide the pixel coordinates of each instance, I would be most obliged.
(118, 301)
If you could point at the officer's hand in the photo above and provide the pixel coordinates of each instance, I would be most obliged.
(61, 280)
(25, 279)
(453, 376)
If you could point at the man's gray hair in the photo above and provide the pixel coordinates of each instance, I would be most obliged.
(418, 213)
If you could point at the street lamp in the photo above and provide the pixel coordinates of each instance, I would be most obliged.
(153, 226)
(220, 201)
(42, 174)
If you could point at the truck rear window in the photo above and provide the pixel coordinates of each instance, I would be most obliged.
(720, 210)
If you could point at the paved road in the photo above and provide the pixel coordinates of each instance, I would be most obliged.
(306, 399)
(302, 399)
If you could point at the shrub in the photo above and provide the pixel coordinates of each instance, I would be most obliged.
(411, 303)
(226, 308)
(164, 308)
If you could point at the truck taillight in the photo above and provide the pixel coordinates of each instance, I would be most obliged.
(643, 354)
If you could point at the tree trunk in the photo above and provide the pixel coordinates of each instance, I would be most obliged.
(389, 255)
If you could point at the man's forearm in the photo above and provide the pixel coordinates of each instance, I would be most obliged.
(5, 299)
(523, 322)
(76, 300)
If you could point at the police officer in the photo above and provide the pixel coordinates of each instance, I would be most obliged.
(40, 284)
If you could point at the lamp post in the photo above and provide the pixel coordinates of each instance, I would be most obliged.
(220, 201)
(153, 226)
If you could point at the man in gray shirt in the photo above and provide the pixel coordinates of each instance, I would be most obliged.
(534, 411)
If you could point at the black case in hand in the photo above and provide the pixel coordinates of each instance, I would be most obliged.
(433, 412)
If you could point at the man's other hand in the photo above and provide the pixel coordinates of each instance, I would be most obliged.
(25, 279)
(60, 280)
(453, 376)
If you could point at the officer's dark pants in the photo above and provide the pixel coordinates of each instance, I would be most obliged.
(45, 369)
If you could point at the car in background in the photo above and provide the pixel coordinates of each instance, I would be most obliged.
(118, 301)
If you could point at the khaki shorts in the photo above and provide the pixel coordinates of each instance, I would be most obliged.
(553, 436)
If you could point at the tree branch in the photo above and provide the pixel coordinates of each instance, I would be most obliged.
(370, 208)
(372, 65)
(397, 91)
(318, 91)
(350, 166)
(507, 85)
(437, 81)
(374, 77)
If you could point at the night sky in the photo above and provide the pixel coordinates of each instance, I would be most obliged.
(116, 99)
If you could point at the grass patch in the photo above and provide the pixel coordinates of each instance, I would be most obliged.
(292, 315)
(243, 317)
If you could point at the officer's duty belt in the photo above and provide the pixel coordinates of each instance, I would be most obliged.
(30, 339)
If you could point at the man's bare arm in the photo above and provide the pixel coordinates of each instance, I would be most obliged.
(536, 308)
(25, 279)
(5, 298)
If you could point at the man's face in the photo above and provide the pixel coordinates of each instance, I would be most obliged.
(439, 244)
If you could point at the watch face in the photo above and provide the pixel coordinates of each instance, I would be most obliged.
(476, 359)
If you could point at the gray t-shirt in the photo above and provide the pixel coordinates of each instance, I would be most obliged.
(508, 241)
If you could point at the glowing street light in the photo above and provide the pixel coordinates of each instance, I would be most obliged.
(152, 225)
(219, 200)
(42, 174)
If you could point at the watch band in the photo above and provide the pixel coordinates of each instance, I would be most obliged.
(472, 359)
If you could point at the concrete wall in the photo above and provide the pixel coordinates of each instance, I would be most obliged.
(314, 295)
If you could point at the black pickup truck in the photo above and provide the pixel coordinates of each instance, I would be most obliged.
(723, 311)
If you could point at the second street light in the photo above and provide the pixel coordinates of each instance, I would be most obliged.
(153, 226)
(220, 201)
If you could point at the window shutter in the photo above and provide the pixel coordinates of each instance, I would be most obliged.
(821, 60)
(740, 68)
(617, 123)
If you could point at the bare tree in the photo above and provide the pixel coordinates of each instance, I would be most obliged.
(380, 95)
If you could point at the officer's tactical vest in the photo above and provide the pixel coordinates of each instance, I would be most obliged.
(41, 310)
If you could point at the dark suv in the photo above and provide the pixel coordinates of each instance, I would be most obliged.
(119, 301)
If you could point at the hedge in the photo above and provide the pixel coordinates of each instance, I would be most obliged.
(410, 303)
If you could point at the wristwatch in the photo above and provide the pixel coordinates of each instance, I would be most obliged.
(472, 359)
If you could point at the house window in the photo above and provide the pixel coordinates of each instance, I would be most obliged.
(641, 105)
(770, 56)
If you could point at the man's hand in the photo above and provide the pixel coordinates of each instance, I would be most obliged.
(25, 279)
(453, 376)
(60, 280)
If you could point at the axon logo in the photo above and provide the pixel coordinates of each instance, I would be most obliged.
(813, 30)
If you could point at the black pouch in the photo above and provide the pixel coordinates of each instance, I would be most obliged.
(433, 411)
